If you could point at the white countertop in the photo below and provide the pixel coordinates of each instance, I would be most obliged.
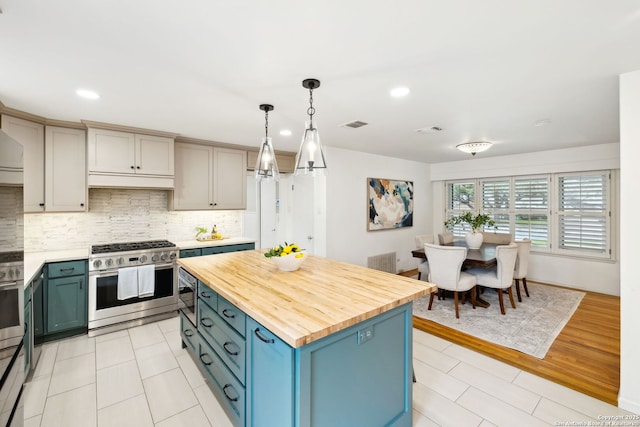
(34, 261)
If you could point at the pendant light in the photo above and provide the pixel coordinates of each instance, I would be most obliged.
(266, 166)
(310, 158)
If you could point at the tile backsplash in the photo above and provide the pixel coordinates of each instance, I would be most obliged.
(123, 215)
(11, 218)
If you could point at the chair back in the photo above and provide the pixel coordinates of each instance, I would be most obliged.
(445, 263)
(506, 256)
(445, 238)
(522, 261)
(498, 238)
(421, 239)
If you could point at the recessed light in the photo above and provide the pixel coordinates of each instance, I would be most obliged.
(88, 94)
(285, 132)
(399, 92)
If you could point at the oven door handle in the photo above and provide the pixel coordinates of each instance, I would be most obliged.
(9, 285)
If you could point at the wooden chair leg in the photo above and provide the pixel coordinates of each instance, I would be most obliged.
(431, 299)
(455, 299)
(473, 298)
(464, 297)
(419, 275)
(501, 301)
(518, 289)
(524, 283)
(414, 373)
(513, 303)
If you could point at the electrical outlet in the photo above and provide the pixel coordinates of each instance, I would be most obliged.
(365, 334)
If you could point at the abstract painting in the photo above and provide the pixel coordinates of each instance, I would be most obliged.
(390, 204)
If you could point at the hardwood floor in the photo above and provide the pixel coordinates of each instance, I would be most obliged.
(584, 357)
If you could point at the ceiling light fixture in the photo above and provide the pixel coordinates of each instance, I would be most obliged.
(88, 94)
(310, 157)
(399, 92)
(266, 166)
(474, 147)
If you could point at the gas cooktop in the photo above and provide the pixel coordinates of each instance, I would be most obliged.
(131, 246)
(14, 256)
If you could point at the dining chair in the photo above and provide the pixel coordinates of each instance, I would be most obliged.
(501, 277)
(497, 238)
(445, 238)
(423, 267)
(522, 265)
(445, 264)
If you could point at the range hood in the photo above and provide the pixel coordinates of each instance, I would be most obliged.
(11, 160)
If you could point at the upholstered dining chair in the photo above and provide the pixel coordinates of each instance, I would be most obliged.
(522, 265)
(498, 238)
(445, 264)
(501, 277)
(445, 238)
(423, 267)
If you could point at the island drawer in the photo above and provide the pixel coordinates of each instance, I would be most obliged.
(207, 295)
(188, 334)
(66, 268)
(188, 253)
(230, 393)
(226, 342)
(232, 315)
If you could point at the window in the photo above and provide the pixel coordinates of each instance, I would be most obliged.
(559, 213)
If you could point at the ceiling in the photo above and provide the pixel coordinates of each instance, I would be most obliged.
(480, 70)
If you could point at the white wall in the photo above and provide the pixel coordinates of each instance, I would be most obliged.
(347, 238)
(629, 396)
(593, 275)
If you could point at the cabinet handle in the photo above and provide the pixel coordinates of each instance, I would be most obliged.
(224, 390)
(81, 204)
(228, 316)
(203, 361)
(262, 337)
(231, 353)
(188, 332)
(67, 270)
(81, 283)
(41, 204)
(210, 204)
(133, 167)
(202, 322)
(137, 167)
(204, 295)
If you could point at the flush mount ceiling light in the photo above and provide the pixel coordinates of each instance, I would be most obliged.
(474, 147)
(266, 166)
(399, 92)
(310, 158)
(88, 94)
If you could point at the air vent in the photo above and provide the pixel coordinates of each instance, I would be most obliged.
(355, 124)
(431, 129)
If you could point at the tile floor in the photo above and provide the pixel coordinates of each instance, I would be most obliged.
(142, 377)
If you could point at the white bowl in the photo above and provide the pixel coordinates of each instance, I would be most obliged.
(289, 262)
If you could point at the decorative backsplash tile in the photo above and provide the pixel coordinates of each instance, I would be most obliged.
(11, 218)
(123, 215)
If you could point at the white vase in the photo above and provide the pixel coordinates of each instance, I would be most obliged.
(474, 240)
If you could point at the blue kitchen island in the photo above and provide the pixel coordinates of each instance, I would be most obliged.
(327, 345)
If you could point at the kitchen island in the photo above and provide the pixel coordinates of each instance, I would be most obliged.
(327, 345)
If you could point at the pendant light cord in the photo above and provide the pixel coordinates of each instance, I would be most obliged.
(311, 111)
(266, 123)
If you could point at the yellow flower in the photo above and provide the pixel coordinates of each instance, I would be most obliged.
(299, 255)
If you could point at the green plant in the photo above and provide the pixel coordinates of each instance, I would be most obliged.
(285, 249)
(475, 221)
(201, 230)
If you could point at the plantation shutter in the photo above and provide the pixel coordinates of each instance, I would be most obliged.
(495, 203)
(531, 202)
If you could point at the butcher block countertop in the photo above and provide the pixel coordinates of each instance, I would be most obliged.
(323, 297)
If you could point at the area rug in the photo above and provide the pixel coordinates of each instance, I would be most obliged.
(531, 328)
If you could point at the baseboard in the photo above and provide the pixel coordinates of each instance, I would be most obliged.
(628, 405)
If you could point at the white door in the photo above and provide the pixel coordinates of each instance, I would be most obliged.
(269, 207)
(303, 212)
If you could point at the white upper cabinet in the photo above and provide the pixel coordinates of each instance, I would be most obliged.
(66, 171)
(209, 178)
(123, 159)
(31, 136)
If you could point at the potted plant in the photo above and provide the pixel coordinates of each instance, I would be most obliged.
(475, 223)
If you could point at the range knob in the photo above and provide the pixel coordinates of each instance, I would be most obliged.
(97, 263)
(163, 257)
(120, 261)
(154, 258)
(143, 259)
(109, 262)
(11, 273)
(172, 255)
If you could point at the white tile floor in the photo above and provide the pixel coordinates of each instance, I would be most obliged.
(142, 377)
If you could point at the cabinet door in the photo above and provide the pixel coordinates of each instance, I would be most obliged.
(66, 303)
(37, 307)
(31, 136)
(154, 155)
(193, 181)
(111, 151)
(28, 336)
(270, 387)
(65, 166)
(229, 178)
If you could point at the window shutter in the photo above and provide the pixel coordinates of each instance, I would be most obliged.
(531, 202)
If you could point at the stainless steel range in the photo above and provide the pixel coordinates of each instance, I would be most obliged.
(131, 283)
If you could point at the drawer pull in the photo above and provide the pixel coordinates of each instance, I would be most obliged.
(231, 353)
(262, 337)
(224, 390)
(226, 314)
(204, 295)
(204, 361)
(67, 270)
(203, 323)
(188, 332)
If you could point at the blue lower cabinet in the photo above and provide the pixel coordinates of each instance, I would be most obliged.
(189, 334)
(66, 303)
(228, 248)
(188, 253)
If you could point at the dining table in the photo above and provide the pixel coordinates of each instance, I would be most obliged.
(484, 257)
